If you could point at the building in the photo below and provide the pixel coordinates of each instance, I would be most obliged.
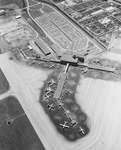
(18, 17)
(59, 89)
(69, 58)
(56, 49)
(2, 12)
(42, 46)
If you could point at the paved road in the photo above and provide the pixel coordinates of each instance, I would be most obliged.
(32, 23)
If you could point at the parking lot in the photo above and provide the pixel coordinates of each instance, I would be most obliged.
(62, 31)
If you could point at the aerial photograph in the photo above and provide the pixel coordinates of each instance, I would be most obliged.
(60, 74)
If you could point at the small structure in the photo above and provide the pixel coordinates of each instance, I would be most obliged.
(30, 47)
(18, 17)
(97, 12)
(2, 12)
(80, 58)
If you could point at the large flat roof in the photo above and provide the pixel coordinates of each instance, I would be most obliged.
(68, 58)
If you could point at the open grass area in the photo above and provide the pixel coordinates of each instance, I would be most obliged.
(4, 85)
(16, 131)
(33, 24)
(47, 9)
(20, 3)
(36, 7)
